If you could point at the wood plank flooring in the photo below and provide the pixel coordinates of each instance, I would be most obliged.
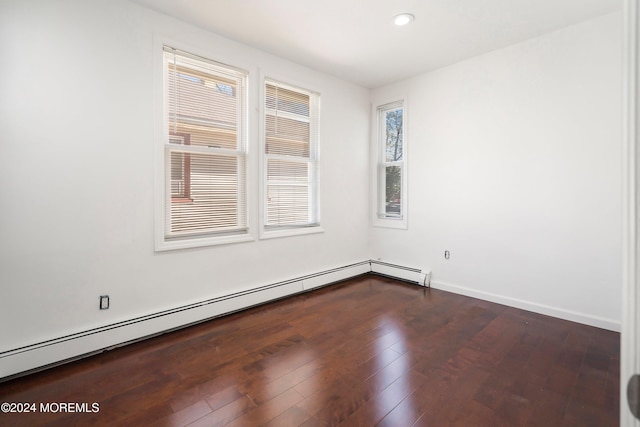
(369, 351)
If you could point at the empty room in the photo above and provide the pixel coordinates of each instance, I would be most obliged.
(354, 213)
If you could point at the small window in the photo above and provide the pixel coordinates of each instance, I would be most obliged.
(391, 185)
(290, 157)
(204, 148)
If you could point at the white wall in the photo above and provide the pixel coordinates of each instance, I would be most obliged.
(77, 163)
(515, 168)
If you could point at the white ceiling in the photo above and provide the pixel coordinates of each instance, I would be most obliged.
(356, 40)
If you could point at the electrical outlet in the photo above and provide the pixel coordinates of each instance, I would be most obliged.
(104, 302)
(447, 254)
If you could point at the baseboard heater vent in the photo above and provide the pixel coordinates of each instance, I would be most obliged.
(395, 271)
(52, 352)
(47, 353)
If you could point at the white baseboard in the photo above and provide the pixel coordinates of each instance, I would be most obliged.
(414, 275)
(313, 281)
(69, 347)
(573, 316)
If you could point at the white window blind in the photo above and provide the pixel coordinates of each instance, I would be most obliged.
(291, 151)
(204, 148)
(391, 174)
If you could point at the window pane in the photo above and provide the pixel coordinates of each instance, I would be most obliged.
(287, 136)
(287, 171)
(287, 100)
(212, 183)
(201, 103)
(288, 193)
(287, 205)
(393, 135)
(393, 191)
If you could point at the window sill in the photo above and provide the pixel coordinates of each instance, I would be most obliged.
(274, 234)
(400, 224)
(168, 245)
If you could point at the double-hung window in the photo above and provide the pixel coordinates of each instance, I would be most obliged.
(290, 158)
(391, 173)
(204, 150)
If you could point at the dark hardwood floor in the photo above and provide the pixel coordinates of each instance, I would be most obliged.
(369, 351)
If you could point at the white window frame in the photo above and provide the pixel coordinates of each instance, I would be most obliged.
(379, 165)
(163, 241)
(314, 158)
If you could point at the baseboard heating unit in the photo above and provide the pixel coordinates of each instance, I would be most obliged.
(62, 349)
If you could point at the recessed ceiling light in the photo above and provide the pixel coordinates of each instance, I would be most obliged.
(403, 19)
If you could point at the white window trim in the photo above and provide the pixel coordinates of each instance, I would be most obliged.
(376, 195)
(293, 231)
(161, 124)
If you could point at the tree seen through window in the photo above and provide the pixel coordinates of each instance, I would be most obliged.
(393, 153)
